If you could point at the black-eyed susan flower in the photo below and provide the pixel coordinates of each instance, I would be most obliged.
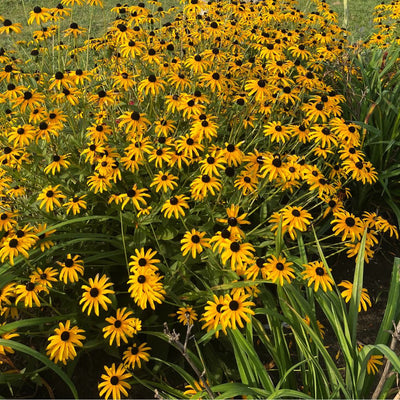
(316, 273)
(13, 247)
(29, 293)
(350, 226)
(279, 270)
(145, 287)
(76, 204)
(63, 342)
(236, 308)
(194, 242)
(8, 26)
(74, 30)
(164, 181)
(145, 259)
(22, 135)
(120, 326)
(114, 382)
(57, 163)
(186, 315)
(50, 197)
(95, 294)
(365, 300)
(135, 355)
(212, 314)
(99, 183)
(175, 206)
(70, 268)
(234, 220)
(238, 253)
(295, 218)
(39, 15)
(152, 85)
(203, 185)
(44, 277)
(7, 220)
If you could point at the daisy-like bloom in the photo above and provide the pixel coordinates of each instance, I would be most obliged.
(211, 165)
(43, 234)
(7, 336)
(373, 364)
(194, 242)
(70, 268)
(238, 253)
(351, 226)
(144, 259)
(99, 183)
(62, 343)
(315, 272)
(75, 30)
(295, 218)
(95, 294)
(190, 146)
(7, 221)
(152, 85)
(113, 383)
(57, 163)
(50, 197)
(145, 287)
(60, 80)
(135, 354)
(278, 270)
(13, 247)
(259, 88)
(186, 315)
(204, 184)
(44, 277)
(277, 132)
(7, 292)
(76, 204)
(120, 326)
(164, 181)
(9, 27)
(30, 99)
(234, 220)
(39, 15)
(21, 136)
(135, 196)
(232, 154)
(29, 293)
(175, 206)
(235, 309)
(365, 300)
(212, 314)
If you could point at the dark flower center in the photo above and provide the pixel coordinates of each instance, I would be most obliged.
(13, 243)
(205, 179)
(319, 271)
(230, 148)
(114, 380)
(195, 238)
(117, 323)
(69, 262)
(56, 158)
(173, 201)
(141, 279)
(65, 336)
(142, 262)
(279, 266)
(27, 95)
(152, 78)
(276, 162)
(135, 116)
(233, 305)
(30, 286)
(134, 350)
(218, 308)
(94, 292)
(235, 247)
(296, 213)
(350, 222)
(232, 221)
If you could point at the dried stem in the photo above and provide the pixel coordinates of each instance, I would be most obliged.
(174, 338)
(385, 374)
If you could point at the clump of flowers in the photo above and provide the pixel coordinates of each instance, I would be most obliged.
(147, 169)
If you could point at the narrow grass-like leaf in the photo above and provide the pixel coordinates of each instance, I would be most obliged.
(43, 359)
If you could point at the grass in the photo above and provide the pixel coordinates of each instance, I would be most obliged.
(359, 15)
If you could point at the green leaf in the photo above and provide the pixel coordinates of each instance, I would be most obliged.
(33, 353)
